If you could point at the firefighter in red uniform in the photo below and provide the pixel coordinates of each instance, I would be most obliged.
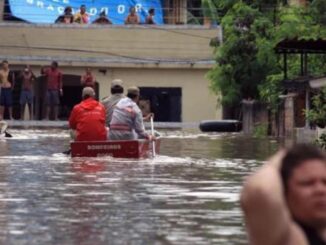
(88, 118)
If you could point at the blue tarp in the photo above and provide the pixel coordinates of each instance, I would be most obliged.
(46, 11)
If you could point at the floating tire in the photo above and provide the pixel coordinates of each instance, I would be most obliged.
(220, 126)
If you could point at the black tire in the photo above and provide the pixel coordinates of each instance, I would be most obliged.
(220, 126)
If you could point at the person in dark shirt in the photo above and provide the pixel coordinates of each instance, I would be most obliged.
(54, 89)
(102, 19)
(150, 18)
(285, 201)
(66, 18)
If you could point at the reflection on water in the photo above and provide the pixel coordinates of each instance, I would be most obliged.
(186, 195)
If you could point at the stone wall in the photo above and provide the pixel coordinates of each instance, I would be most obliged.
(254, 114)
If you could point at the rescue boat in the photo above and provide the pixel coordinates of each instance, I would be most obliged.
(115, 148)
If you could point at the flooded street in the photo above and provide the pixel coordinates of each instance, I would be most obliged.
(188, 194)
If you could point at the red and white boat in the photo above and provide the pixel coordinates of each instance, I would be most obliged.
(120, 149)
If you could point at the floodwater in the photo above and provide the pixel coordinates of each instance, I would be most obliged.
(188, 194)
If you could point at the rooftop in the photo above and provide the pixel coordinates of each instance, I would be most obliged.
(296, 45)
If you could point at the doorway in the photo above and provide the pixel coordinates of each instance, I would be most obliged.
(72, 91)
(165, 103)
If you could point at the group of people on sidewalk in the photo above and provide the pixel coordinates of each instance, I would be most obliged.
(25, 81)
(7, 84)
(116, 117)
(82, 17)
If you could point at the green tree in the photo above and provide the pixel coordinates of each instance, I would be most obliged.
(292, 23)
(246, 63)
(318, 9)
(209, 11)
(317, 114)
(245, 58)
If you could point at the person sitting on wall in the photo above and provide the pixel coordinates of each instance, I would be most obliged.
(150, 18)
(81, 17)
(88, 79)
(111, 101)
(102, 20)
(132, 18)
(285, 201)
(127, 119)
(87, 118)
(66, 18)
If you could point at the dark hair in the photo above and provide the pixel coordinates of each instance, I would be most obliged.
(151, 11)
(55, 63)
(116, 90)
(68, 9)
(295, 156)
(132, 95)
(5, 61)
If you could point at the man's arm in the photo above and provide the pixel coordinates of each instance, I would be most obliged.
(13, 80)
(43, 71)
(267, 216)
(60, 84)
(33, 77)
(93, 79)
(82, 79)
(148, 117)
(139, 125)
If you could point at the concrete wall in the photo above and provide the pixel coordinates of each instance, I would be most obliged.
(254, 114)
(107, 44)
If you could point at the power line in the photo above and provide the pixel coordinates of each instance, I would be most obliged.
(108, 53)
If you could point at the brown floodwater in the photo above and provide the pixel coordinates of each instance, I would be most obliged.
(188, 194)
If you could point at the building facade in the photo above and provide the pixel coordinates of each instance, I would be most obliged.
(168, 62)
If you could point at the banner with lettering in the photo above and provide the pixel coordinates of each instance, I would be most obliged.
(47, 11)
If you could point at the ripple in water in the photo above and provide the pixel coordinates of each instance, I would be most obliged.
(188, 194)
